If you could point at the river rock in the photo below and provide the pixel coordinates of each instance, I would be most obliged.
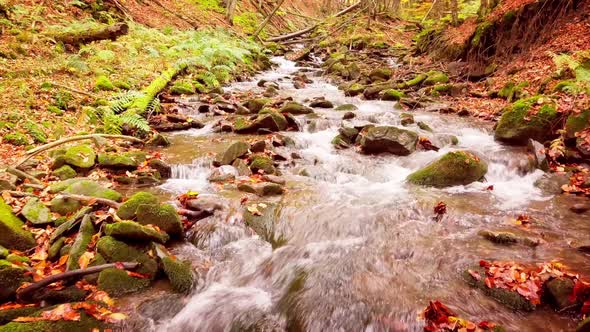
(551, 183)
(321, 102)
(126, 160)
(295, 108)
(262, 188)
(258, 146)
(270, 91)
(208, 203)
(380, 74)
(263, 219)
(158, 140)
(559, 291)
(346, 108)
(580, 207)
(36, 212)
(223, 173)
(65, 172)
(354, 89)
(348, 116)
(12, 234)
(164, 169)
(81, 156)
(517, 126)
(113, 250)
(262, 163)
(233, 152)
(127, 230)
(385, 139)
(255, 105)
(274, 179)
(392, 95)
(78, 186)
(507, 238)
(537, 151)
(406, 119)
(164, 216)
(452, 169)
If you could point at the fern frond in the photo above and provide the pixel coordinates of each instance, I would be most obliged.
(135, 121)
(122, 101)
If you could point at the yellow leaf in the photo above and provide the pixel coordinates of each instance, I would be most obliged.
(85, 259)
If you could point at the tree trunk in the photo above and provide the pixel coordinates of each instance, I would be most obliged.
(86, 36)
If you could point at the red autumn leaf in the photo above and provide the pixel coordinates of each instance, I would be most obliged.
(489, 281)
(137, 275)
(486, 325)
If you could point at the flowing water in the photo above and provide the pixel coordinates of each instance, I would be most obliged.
(363, 252)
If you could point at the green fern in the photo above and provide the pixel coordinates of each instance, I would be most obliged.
(122, 101)
(135, 121)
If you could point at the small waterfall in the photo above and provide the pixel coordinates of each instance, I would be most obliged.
(188, 177)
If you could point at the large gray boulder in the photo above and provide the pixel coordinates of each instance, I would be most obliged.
(385, 139)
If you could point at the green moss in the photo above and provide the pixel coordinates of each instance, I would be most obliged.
(392, 95)
(127, 160)
(117, 282)
(576, 123)
(103, 83)
(247, 21)
(424, 126)
(36, 132)
(64, 206)
(80, 245)
(208, 79)
(452, 169)
(568, 86)
(3, 252)
(346, 108)
(12, 234)
(93, 189)
(17, 259)
(415, 81)
(16, 138)
(85, 324)
(516, 126)
(122, 85)
(262, 163)
(130, 230)
(36, 212)
(255, 105)
(128, 209)
(11, 278)
(480, 32)
(54, 250)
(65, 172)
(354, 89)
(182, 87)
(179, 273)
(163, 216)
(6, 316)
(435, 77)
(82, 156)
(295, 108)
(113, 251)
(380, 74)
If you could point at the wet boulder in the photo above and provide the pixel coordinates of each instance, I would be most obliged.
(179, 273)
(576, 123)
(510, 299)
(537, 152)
(517, 126)
(559, 291)
(223, 173)
(241, 167)
(373, 91)
(434, 77)
(262, 163)
(233, 152)
(295, 108)
(255, 105)
(348, 116)
(131, 230)
(36, 212)
(126, 160)
(354, 89)
(406, 119)
(551, 183)
(263, 218)
(117, 282)
(452, 169)
(164, 169)
(346, 108)
(321, 102)
(208, 204)
(385, 139)
(424, 126)
(12, 234)
(158, 140)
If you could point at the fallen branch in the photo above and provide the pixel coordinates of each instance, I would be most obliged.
(22, 174)
(15, 193)
(111, 32)
(31, 153)
(91, 200)
(74, 90)
(267, 19)
(25, 294)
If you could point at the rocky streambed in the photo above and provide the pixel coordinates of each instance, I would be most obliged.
(316, 211)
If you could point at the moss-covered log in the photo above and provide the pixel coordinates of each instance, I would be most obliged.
(111, 32)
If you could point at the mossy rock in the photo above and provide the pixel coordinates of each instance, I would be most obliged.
(122, 85)
(516, 125)
(417, 80)
(93, 189)
(64, 206)
(7, 315)
(380, 74)
(507, 238)
(17, 138)
(452, 169)
(255, 105)
(233, 152)
(424, 126)
(392, 95)
(406, 119)
(55, 249)
(576, 123)
(435, 77)
(295, 108)
(81, 243)
(354, 89)
(511, 299)
(113, 250)
(179, 273)
(346, 108)
(182, 88)
(117, 282)
(55, 296)
(36, 212)
(82, 156)
(159, 140)
(11, 278)
(131, 230)
(341, 142)
(65, 172)
(265, 224)
(559, 291)
(85, 324)
(12, 234)
(262, 163)
(126, 160)
(127, 210)
(164, 216)
(17, 259)
(103, 84)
